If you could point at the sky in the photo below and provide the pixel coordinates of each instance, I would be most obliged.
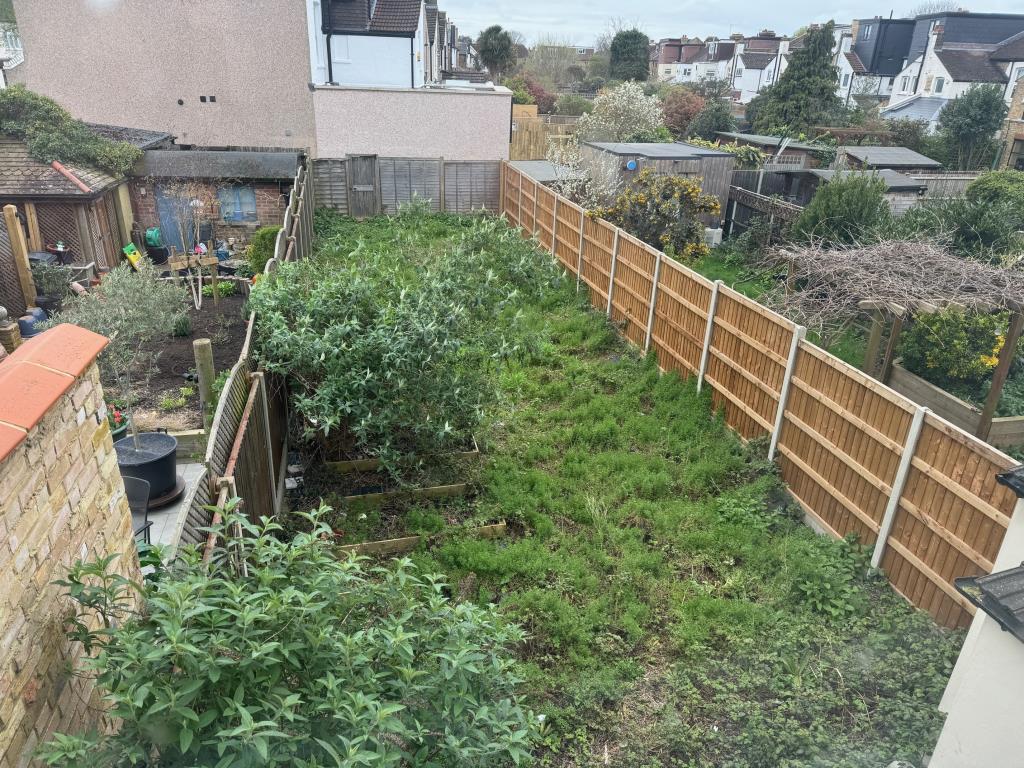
(580, 21)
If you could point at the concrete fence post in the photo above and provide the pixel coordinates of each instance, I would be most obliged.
(654, 299)
(708, 332)
(611, 276)
(554, 229)
(579, 256)
(536, 188)
(780, 415)
(519, 203)
(909, 447)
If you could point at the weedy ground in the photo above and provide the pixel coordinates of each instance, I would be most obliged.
(679, 612)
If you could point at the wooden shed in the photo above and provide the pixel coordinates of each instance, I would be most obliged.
(86, 209)
(713, 167)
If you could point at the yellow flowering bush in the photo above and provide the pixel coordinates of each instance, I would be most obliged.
(954, 348)
(664, 211)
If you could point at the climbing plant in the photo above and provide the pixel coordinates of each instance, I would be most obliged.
(53, 134)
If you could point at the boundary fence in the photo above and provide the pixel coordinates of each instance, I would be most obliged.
(247, 447)
(857, 457)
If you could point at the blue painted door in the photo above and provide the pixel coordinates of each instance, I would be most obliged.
(175, 218)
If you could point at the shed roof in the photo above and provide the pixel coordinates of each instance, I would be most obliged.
(971, 66)
(138, 137)
(22, 176)
(218, 164)
(894, 180)
(675, 150)
(889, 157)
(766, 141)
(543, 171)
(916, 108)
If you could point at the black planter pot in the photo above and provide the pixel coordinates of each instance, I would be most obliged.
(153, 461)
(49, 304)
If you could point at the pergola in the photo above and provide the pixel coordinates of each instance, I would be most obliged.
(894, 280)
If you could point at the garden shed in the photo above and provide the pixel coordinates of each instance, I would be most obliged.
(901, 191)
(712, 166)
(876, 158)
(85, 209)
(798, 154)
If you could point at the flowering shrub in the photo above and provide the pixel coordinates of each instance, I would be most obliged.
(624, 113)
(664, 211)
(590, 180)
(115, 416)
(954, 348)
(681, 106)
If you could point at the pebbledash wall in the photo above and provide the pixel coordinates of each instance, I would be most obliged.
(456, 124)
(61, 500)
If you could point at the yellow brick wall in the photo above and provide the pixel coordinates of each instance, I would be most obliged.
(61, 500)
(1013, 125)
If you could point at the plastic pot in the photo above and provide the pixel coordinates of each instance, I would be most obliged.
(153, 460)
(49, 304)
(116, 433)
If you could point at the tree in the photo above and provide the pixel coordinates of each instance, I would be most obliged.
(934, 6)
(281, 653)
(572, 104)
(624, 113)
(805, 95)
(630, 59)
(496, 50)
(537, 93)
(550, 60)
(681, 105)
(968, 125)
(909, 133)
(711, 87)
(715, 117)
(849, 209)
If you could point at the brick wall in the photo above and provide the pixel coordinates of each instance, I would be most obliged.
(61, 500)
(1013, 127)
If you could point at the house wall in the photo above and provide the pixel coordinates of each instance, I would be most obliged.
(255, 60)
(61, 500)
(448, 123)
(1013, 130)
(376, 61)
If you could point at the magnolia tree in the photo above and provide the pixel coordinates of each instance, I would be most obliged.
(591, 180)
(624, 113)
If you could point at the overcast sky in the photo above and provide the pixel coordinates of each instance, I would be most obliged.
(580, 21)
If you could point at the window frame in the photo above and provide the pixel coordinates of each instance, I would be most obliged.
(234, 194)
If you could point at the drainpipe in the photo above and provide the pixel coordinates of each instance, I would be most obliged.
(327, 31)
(412, 62)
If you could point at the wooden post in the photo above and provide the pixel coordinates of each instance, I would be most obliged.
(266, 436)
(535, 196)
(554, 228)
(611, 276)
(999, 375)
(708, 332)
(874, 343)
(730, 217)
(890, 349)
(35, 239)
(780, 414)
(909, 447)
(19, 249)
(203, 351)
(519, 202)
(501, 190)
(654, 299)
(579, 256)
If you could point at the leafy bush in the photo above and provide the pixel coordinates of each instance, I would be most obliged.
(848, 209)
(624, 113)
(261, 248)
(301, 660)
(53, 134)
(224, 288)
(716, 116)
(51, 280)
(572, 104)
(681, 105)
(953, 348)
(538, 94)
(980, 229)
(181, 326)
(664, 211)
(747, 157)
(389, 355)
(909, 133)
(997, 187)
(968, 125)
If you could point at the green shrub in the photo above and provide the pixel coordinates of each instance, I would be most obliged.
(848, 209)
(181, 325)
(664, 211)
(225, 288)
(979, 229)
(303, 659)
(51, 280)
(261, 248)
(572, 104)
(953, 348)
(997, 187)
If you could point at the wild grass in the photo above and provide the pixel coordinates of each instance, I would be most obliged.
(678, 611)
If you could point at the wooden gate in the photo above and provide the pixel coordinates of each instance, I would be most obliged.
(363, 189)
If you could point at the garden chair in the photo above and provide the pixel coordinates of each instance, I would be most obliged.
(138, 502)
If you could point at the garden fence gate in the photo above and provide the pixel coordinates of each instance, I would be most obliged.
(856, 456)
(247, 446)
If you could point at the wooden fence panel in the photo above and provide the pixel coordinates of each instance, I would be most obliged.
(331, 184)
(950, 521)
(598, 242)
(544, 225)
(528, 206)
(471, 186)
(841, 442)
(747, 362)
(680, 318)
(631, 296)
(403, 178)
(513, 193)
(568, 229)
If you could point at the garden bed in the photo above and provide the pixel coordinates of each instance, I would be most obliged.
(678, 612)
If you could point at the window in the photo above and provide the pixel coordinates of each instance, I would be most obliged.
(905, 83)
(866, 33)
(939, 82)
(846, 79)
(739, 73)
(237, 203)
